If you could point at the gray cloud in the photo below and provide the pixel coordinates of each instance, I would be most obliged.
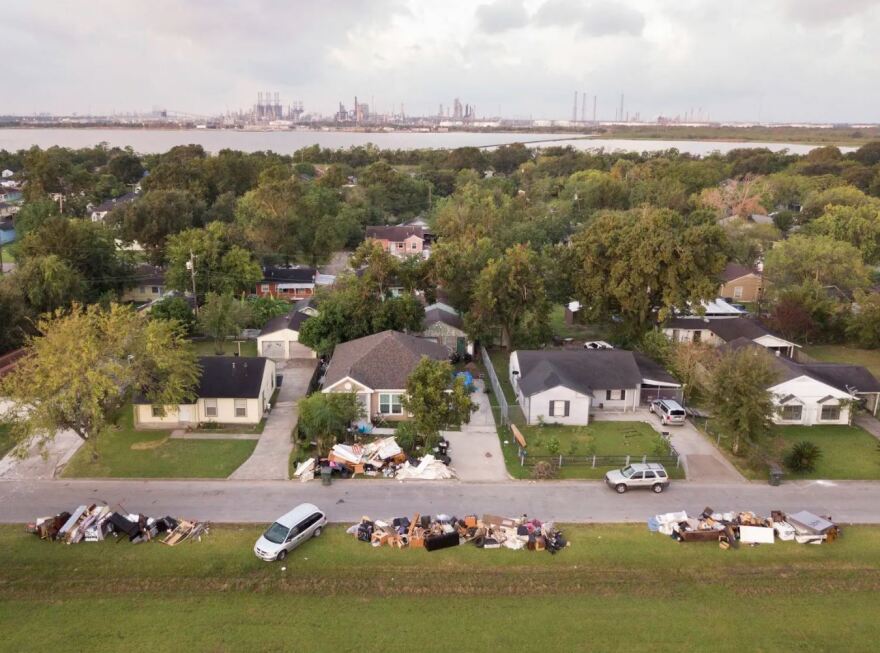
(501, 15)
(596, 18)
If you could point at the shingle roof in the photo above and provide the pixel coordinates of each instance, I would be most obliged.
(434, 315)
(238, 377)
(735, 271)
(289, 275)
(586, 370)
(726, 328)
(382, 361)
(395, 233)
(113, 202)
(145, 275)
(292, 321)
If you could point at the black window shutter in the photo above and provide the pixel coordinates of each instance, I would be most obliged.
(567, 404)
(608, 395)
(552, 408)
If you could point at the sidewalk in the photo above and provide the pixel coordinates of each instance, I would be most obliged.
(45, 464)
(869, 423)
(271, 457)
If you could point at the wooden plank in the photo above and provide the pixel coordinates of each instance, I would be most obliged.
(520, 440)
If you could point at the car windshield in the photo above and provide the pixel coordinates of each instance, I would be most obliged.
(627, 472)
(276, 533)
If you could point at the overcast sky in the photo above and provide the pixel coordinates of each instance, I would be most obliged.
(784, 60)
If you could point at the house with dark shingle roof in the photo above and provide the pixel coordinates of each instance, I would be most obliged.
(717, 331)
(293, 283)
(377, 369)
(443, 324)
(567, 386)
(279, 339)
(99, 212)
(740, 283)
(817, 393)
(231, 390)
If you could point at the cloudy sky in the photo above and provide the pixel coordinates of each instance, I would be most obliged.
(785, 60)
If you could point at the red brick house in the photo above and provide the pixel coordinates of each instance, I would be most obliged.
(288, 283)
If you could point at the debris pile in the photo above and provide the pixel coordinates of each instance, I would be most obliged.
(444, 531)
(95, 522)
(382, 457)
(730, 529)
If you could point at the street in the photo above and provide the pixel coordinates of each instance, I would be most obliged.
(346, 501)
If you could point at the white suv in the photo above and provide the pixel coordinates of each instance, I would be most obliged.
(669, 411)
(649, 475)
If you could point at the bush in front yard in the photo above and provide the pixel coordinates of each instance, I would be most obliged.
(803, 457)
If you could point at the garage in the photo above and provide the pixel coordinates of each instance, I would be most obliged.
(273, 348)
(298, 350)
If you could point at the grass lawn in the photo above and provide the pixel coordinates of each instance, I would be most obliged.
(6, 442)
(599, 438)
(128, 453)
(870, 358)
(576, 331)
(848, 452)
(8, 256)
(614, 584)
(206, 348)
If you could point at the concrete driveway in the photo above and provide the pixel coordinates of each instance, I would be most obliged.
(702, 460)
(270, 460)
(475, 450)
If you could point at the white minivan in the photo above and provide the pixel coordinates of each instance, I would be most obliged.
(289, 531)
(669, 411)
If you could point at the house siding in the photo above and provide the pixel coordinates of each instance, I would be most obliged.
(807, 393)
(292, 347)
(537, 407)
(750, 286)
(629, 403)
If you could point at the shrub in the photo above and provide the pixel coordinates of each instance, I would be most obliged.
(803, 456)
(553, 446)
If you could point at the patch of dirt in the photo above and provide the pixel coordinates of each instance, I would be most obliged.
(148, 444)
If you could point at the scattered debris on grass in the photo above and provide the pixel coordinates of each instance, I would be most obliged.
(381, 457)
(444, 531)
(730, 529)
(97, 522)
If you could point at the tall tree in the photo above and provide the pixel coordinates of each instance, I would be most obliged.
(856, 225)
(49, 283)
(435, 399)
(739, 393)
(510, 295)
(325, 418)
(87, 364)
(222, 316)
(818, 259)
(642, 265)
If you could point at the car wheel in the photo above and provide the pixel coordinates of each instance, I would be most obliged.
(621, 488)
(317, 532)
(282, 554)
(658, 488)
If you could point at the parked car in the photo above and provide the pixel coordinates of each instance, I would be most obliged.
(289, 531)
(649, 475)
(668, 410)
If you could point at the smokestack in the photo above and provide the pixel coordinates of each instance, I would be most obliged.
(574, 111)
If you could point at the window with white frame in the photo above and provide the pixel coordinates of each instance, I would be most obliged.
(615, 395)
(241, 407)
(155, 290)
(559, 408)
(156, 411)
(830, 413)
(737, 292)
(210, 408)
(390, 404)
(264, 287)
(792, 413)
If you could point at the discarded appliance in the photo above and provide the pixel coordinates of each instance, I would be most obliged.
(381, 457)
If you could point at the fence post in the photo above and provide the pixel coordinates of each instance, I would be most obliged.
(560, 460)
(644, 458)
(627, 461)
(678, 462)
(522, 458)
(594, 461)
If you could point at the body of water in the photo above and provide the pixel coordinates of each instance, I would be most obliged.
(148, 141)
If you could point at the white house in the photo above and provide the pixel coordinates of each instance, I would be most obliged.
(718, 331)
(231, 390)
(99, 212)
(567, 386)
(279, 339)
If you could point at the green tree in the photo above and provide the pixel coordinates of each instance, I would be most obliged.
(263, 309)
(174, 308)
(863, 326)
(818, 259)
(739, 394)
(221, 317)
(33, 215)
(86, 366)
(435, 399)
(13, 314)
(221, 263)
(642, 265)
(326, 417)
(510, 296)
(49, 283)
(858, 226)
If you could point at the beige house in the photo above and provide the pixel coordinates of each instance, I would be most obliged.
(279, 339)
(399, 240)
(377, 368)
(150, 285)
(717, 331)
(741, 284)
(232, 390)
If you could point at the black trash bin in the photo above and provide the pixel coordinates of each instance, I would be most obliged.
(326, 476)
(775, 475)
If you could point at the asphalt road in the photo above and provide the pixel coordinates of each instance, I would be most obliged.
(347, 501)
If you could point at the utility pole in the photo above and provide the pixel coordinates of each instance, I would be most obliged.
(1, 261)
(191, 265)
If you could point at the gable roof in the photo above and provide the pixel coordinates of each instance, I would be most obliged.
(735, 271)
(145, 275)
(293, 321)
(395, 233)
(586, 370)
(289, 275)
(113, 202)
(237, 377)
(726, 328)
(382, 361)
(435, 314)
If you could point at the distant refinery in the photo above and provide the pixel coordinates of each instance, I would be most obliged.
(269, 112)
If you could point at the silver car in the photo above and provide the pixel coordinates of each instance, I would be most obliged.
(300, 524)
(647, 475)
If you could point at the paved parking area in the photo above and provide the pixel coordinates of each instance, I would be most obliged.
(475, 450)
